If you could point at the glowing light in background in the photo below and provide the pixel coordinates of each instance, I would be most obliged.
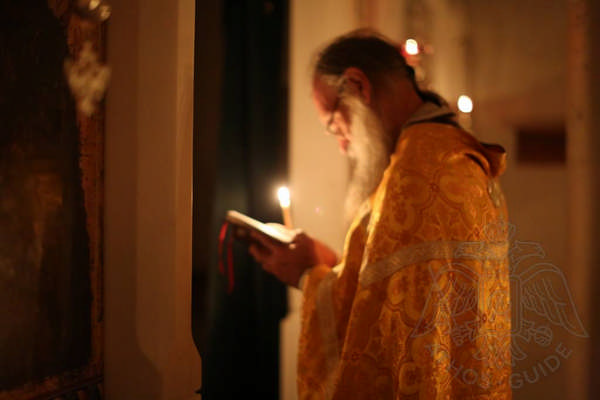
(411, 47)
(465, 104)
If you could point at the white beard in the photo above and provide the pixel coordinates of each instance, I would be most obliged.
(369, 155)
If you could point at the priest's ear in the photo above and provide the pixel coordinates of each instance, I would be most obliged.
(356, 83)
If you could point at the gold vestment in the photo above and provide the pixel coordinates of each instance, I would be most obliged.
(419, 307)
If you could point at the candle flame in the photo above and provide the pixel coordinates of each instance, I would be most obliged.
(283, 193)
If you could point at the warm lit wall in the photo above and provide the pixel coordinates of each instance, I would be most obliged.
(583, 119)
(149, 352)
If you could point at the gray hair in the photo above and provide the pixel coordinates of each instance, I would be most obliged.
(376, 56)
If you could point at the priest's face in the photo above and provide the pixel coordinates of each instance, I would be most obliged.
(361, 137)
(333, 112)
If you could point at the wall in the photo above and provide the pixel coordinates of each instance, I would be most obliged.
(149, 349)
(583, 100)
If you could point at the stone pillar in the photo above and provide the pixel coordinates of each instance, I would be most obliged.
(149, 351)
(583, 157)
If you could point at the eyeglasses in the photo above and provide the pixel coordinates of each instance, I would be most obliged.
(328, 127)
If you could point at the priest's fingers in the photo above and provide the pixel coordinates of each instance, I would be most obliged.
(260, 253)
(266, 259)
(298, 233)
(301, 238)
(269, 267)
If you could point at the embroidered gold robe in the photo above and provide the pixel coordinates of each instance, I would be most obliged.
(419, 307)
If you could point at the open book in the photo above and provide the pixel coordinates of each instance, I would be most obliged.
(243, 225)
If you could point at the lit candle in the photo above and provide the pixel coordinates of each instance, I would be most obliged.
(283, 194)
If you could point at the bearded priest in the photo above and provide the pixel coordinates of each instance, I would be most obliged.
(418, 304)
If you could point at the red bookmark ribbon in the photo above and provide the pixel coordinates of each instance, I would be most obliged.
(223, 237)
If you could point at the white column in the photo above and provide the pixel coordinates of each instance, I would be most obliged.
(149, 351)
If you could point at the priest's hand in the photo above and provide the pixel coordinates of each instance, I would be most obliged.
(288, 262)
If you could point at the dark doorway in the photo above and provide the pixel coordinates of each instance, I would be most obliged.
(240, 154)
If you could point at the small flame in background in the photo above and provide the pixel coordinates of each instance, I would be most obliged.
(465, 104)
(411, 47)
